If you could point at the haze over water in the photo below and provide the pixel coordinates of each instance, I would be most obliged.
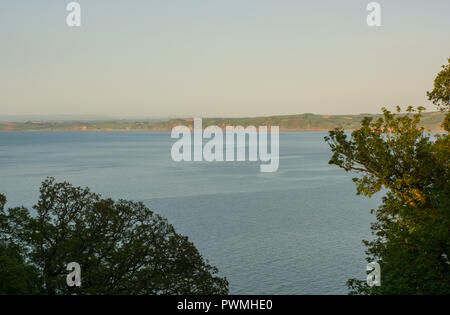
(295, 231)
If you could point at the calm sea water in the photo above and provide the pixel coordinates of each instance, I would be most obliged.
(296, 231)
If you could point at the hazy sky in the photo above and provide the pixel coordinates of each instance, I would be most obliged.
(218, 57)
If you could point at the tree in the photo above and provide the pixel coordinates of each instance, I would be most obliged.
(16, 275)
(411, 235)
(122, 247)
(440, 95)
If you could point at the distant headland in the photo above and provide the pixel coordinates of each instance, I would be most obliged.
(430, 121)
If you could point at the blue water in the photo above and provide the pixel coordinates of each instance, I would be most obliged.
(296, 231)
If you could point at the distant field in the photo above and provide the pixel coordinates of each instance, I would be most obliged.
(430, 121)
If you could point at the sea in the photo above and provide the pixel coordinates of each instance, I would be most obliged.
(295, 231)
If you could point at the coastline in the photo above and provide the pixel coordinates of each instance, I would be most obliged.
(431, 121)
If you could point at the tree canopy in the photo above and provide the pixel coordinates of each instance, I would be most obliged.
(121, 246)
(16, 275)
(440, 95)
(411, 237)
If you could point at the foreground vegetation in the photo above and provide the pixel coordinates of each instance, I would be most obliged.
(121, 246)
(412, 232)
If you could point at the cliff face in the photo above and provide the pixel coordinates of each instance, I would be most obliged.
(430, 121)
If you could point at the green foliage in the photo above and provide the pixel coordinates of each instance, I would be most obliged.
(411, 235)
(440, 95)
(3, 221)
(122, 247)
(16, 275)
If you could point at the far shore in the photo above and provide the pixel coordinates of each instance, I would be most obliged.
(431, 121)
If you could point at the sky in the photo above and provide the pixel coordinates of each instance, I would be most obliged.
(218, 57)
